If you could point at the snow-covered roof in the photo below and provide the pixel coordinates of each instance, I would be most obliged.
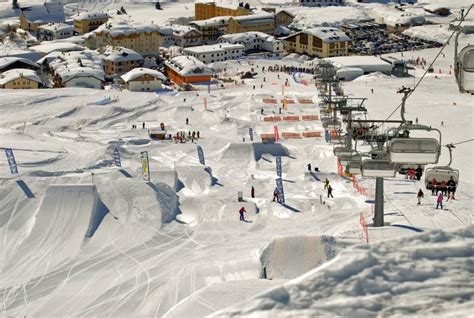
(120, 54)
(213, 48)
(309, 17)
(17, 73)
(328, 34)
(61, 46)
(177, 30)
(216, 21)
(138, 72)
(122, 28)
(55, 27)
(224, 4)
(9, 60)
(393, 16)
(367, 63)
(254, 18)
(245, 37)
(189, 66)
(91, 15)
(69, 65)
(47, 12)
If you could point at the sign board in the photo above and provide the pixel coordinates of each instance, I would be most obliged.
(145, 165)
(281, 193)
(278, 166)
(251, 133)
(201, 155)
(116, 157)
(11, 161)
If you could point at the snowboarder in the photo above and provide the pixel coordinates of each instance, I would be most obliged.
(326, 183)
(275, 195)
(439, 201)
(420, 196)
(309, 167)
(187, 121)
(330, 191)
(241, 212)
(252, 192)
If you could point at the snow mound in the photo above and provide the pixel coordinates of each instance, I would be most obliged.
(195, 179)
(372, 77)
(252, 151)
(426, 275)
(287, 257)
(310, 17)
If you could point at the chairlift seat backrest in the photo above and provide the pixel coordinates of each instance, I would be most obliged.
(414, 150)
(440, 174)
(354, 167)
(378, 168)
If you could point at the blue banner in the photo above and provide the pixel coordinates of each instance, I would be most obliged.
(11, 161)
(281, 193)
(145, 165)
(201, 155)
(278, 166)
(116, 157)
(251, 133)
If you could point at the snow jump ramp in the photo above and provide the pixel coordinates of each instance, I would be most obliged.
(253, 150)
(287, 257)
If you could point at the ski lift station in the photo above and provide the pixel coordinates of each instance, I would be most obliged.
(351, 67)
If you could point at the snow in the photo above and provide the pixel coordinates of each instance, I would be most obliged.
(71, 65)
(309, 17)
(221, 20)
(6, 61)
(91, 15)
(177, 30)
(436, 33)
(391, 16)
(119, 28)
(57, 27)
(17, 73)
(246, 37)
(328, 35)
(422, 275)
(121, 54)
(47, 47)
(366, 63)
(48, 12)
(137, 72)
(214, 48)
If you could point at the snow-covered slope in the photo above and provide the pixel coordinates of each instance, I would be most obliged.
(426, 275)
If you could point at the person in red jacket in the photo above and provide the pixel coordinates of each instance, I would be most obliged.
(241, 212)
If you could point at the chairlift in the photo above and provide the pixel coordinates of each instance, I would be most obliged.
(442, 173)
(413, 150)
(464, 69)
(378, 168)
(354, 167)
(345, 159)
(342, 150)
(332, 124)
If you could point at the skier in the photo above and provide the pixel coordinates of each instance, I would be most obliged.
(418, 173)
(309, 167)
(275, 195)
(420, 196)
(187, 121)
(198, 134)
(143, 125)
(330, 191)
(439, 201)
(416, 120)
(434, 185)
(326, 183)
(372, 90)
(241, 212)
(451, 188)
(252, 192)
(261, 111)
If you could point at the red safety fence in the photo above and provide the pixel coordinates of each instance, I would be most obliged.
(305, 101)
(340, 168)
(310, 117)
(290, 135)
(288, 101)
(269, 100)
(291, 118)
(333, 133)
(267, 137)
(360, 189)
(311, 134)
(365, 227)
(272, 118)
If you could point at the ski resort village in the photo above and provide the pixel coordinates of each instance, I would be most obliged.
(217, 158)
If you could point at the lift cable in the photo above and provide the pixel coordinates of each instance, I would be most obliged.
(431, 65)
(461, 142)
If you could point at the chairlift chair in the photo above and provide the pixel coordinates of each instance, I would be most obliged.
(345, 159)
(378, 168)
(440, 174)
(332, 124)
(354, 167)
(342, 150)
(413, 150)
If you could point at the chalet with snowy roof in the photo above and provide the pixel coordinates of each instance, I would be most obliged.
(283, 18)
(180, 35)
(261, 22)
(86, 22)
(206, 9)
(56, 46)
(211, 28)
(32, 17)
(216, 53)
(11, 62)
(320, 42)
(55, 31)
(120, 60)
(144, 39)
(143, 80)
(255, 42)
(76, 69)
(20, 78)
(187, 69)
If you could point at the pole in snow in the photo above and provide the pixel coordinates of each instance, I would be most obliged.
(379, 209)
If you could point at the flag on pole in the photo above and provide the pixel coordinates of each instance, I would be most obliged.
(145, 165)
(11, 161)
(116, 157)
(201, 155)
